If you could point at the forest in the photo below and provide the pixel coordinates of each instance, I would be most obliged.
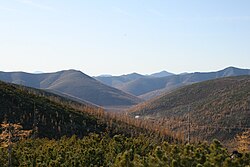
(118, 151)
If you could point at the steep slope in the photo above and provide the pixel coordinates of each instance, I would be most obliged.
(217, 108)
(151, 87)
(50, 113)
(75, 84)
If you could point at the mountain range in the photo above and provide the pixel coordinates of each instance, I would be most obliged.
(117, 81)
(113, 91)
(147, 87)
(74, 84)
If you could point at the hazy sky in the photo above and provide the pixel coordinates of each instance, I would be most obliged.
(124, 36)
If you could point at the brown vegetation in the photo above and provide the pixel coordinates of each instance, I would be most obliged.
(213, 109)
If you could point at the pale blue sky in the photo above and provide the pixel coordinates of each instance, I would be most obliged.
(124, 36)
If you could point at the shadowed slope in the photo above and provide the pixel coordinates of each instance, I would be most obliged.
(50, 113)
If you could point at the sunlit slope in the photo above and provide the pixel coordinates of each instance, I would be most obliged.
(217, 108)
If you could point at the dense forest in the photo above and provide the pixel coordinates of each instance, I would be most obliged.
(120, 151)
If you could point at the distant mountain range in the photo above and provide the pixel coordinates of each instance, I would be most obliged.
(113, 91)
(217, 108)
(74, 84)
(117, 81)
(161, 74)
(148, 87)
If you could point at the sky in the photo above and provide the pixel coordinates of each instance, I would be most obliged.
(124, 36)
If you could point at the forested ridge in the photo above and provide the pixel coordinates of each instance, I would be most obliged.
(51, 114)
(217, 108)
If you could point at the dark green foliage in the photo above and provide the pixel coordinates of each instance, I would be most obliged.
(120, 151)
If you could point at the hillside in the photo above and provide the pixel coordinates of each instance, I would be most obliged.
(75, 84)
(217, 108)
(56, 116)
(50, 113)
(148, 88)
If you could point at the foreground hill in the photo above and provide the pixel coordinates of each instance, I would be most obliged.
(215, 109)
(148, 88)
(50, 113)
(75, 84)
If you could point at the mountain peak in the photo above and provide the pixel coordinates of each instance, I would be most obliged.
(70, 70)
(161, 74)
(231, 68)
(134, 74)
(233, 71)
